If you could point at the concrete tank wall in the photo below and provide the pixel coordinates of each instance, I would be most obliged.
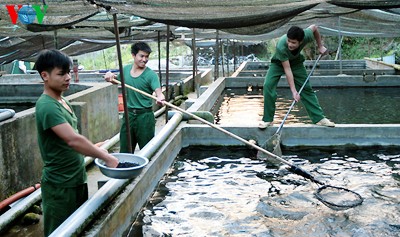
(94, 102)
(20, 162)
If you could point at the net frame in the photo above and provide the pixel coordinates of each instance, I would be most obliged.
(358, 200)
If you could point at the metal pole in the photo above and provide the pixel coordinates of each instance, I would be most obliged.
(340, 51)
(222, 57)
(227, 56)
(380, 41)
(194, 70)
(216, 61)
(242, 48)
(339, 48)
(121, 74)
(159, 56)
(234, 55)
(167, 74)
(55, 39)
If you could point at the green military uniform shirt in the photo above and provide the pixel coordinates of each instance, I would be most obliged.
(283, 53)
(62, 164)
(148, 82)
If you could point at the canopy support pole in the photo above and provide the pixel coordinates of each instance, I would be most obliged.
(121, 74)
(227, 56)
(55, 40)
(234, 55)
(194, 69)
(340, 48)
(216, 58)
(159, 56)
(167, 74)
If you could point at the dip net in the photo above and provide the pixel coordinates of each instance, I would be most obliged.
(338, 198)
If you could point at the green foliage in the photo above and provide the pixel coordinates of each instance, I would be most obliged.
(352, 48)
(262, 51)
(104, 59)
(108, 58)
(30, 218)
(358, 48)
(361, 47)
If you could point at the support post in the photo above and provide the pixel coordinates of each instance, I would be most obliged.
(167, 73)
(121, 73)
(196, 86)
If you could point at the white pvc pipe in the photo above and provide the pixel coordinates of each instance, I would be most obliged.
(20, 208)
(6, 114)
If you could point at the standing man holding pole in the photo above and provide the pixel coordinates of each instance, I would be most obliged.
(288, 60)
(140, 108)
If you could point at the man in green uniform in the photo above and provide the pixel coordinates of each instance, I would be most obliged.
(140, 107)
(288, 60)
(63, 183)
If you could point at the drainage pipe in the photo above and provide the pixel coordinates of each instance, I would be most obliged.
(78, 221)
(160, 111)
(22, 206)
(17, 196)
(18, 209)
(6, 114)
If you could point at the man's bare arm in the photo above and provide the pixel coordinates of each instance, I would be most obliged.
(290, 80)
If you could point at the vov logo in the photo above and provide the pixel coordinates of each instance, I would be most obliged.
(26, 13)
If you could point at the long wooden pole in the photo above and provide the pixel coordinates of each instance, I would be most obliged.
(293, 168)
(208, 123)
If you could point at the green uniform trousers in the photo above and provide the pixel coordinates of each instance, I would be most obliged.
(142, 129)
(308, 96)
(58, 203)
